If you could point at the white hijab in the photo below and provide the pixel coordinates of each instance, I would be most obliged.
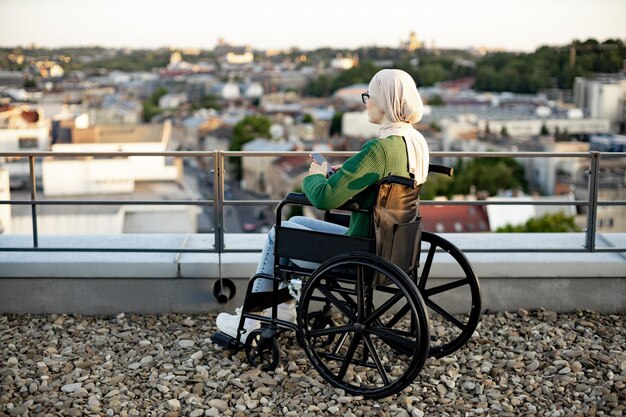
(395, 93)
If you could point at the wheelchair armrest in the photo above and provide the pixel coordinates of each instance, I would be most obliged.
(350, 205)
(300, 198)
(297, 198)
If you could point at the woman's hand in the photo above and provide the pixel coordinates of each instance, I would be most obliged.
(335, 167)
(316, 168)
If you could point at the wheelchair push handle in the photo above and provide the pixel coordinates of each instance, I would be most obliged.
(441, 169)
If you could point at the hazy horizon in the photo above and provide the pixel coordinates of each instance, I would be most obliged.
(515, 25)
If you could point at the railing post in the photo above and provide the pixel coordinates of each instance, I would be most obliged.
(218, 197)
(592, 215)
(33, 198)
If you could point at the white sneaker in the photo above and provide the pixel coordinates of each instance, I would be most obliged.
(229, 323)
(286, 312)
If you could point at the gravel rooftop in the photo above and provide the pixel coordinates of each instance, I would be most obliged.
(535, 363)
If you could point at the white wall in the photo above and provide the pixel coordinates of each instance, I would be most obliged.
(69, 224)
(357, 124)
(158, 219)
(87, 176)
(533, 127)
(9, 138)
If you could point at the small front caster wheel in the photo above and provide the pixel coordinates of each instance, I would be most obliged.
(262, 349)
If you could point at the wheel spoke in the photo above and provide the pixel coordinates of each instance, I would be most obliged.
(372, 349)
(383, 308)
(427, 265)
(430, 303)
(398, 316)
(327, 292)
(360, 292)
(331, 330)
(392, 339)
(349, 355)
(445, 287)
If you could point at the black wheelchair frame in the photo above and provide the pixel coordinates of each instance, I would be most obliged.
(366, 336)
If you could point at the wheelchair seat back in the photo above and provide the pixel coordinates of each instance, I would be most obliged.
(397, 224)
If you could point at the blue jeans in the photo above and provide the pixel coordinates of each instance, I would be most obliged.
(266, 263)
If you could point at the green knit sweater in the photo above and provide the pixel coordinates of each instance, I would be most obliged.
(377, 159)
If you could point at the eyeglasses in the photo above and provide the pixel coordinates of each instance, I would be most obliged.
(365, 97)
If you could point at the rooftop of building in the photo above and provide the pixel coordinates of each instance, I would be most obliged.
(518, 363)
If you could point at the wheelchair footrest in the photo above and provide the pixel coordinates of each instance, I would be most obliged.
(226, 341)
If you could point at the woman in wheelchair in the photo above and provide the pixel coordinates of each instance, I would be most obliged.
(394, 103)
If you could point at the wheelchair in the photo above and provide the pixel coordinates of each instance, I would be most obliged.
(362, 320)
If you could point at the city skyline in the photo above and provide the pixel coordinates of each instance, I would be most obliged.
(280, 25)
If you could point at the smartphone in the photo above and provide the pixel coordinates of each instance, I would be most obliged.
(319, 159)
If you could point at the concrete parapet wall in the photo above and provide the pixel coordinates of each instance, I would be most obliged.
(111, 282)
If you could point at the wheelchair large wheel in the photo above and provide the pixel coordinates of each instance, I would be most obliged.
(453, 302)
(355, 347)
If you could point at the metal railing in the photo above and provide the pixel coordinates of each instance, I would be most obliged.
(219, 202)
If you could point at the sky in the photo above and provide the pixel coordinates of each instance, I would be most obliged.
(519, 25)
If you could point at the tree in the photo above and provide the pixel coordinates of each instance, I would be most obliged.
(150, 110)
(435, 186)
(504, 132)
(307, 118)
(487, 174)
(436, 100)
(249, 128)
(210, 102)
(336, 124)
(548, 223)
(157, 94)
(544, 130)
(151, 107)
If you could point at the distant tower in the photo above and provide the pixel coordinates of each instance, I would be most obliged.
(414, 43)
(572, 54)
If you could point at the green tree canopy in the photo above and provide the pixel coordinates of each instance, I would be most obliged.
(336, 124)
(249, 128)
(548, 223)
(485, 174)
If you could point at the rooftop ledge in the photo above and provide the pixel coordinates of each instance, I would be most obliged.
(149, 282)
(51, 264)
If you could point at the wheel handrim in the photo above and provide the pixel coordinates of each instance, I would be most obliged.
(366, 357)
(451, 327)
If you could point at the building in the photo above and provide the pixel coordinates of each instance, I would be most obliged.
(256, 168)
(172, 101)
(502, 215)
(534, 126)
(286, 174)
(602, 97)
(226, 91)
(357, 124)
(344, 63)
(413, 43)
(110, 175)
(351, 94)
(454, 219)
(197, 126)
(111, 219)
(115, 109)
(23, 128)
